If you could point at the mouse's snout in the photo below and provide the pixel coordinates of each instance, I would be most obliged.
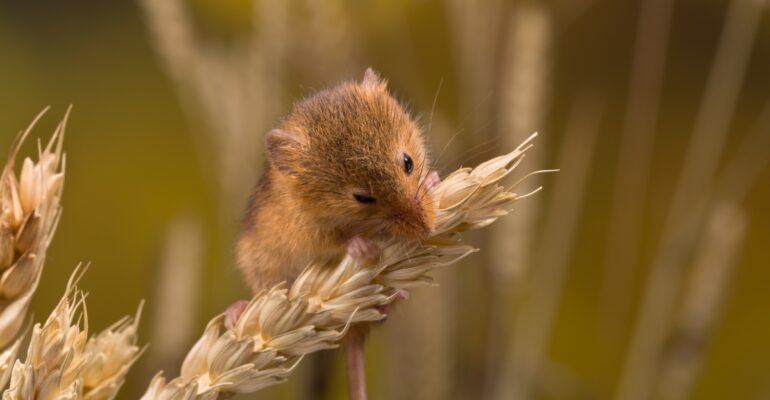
(410, 226)
(413, 219)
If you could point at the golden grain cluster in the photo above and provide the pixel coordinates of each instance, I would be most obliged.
(61, 361)
(276, 329)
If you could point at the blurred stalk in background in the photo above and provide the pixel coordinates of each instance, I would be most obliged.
(524, 99)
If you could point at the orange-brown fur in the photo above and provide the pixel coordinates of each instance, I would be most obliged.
(340, 141)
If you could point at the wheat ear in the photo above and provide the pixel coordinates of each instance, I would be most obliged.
(281, 325)
(29, 211)
(63, 363)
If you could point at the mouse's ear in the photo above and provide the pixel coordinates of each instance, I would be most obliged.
(284, 148)
(373, 81)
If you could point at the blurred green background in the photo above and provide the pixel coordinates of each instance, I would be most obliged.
(172, 98)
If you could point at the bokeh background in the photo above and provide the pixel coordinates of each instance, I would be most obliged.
(640, 271)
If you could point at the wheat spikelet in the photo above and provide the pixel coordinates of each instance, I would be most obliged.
(282, 324)
(63, 363)
(29, 211)
(7, 358)
(111, 352)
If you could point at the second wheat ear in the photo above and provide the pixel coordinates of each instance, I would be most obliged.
(280, 325)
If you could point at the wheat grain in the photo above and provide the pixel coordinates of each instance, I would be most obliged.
(7, 358)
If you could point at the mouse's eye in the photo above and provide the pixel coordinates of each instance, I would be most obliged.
(364, 199)
(408, 164)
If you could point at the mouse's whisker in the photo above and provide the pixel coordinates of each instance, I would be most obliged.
(464, 120)
(478, 150)
(422, 178)
(426, 193)
(364, 221)
(433, 107)
(448, 143)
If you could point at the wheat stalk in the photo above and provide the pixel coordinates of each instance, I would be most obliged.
(697, 175)
(179, 274)
(29, 211)
(533, 327)
(703, 301)
(63, 363)
(631, 184)
(524, 98)
(524, 101)
(224, 86)
(279, 326)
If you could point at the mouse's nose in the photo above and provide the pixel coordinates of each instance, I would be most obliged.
(416, 216)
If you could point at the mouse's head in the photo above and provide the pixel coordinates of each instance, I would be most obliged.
(355, 160)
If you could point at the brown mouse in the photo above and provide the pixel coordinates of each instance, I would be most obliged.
(346, 170)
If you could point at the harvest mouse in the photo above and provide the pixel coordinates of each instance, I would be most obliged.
(346, 170)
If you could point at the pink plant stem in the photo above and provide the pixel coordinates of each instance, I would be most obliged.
(354, 349)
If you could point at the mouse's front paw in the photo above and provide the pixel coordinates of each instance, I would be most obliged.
(362, 249)
(234, 312)
(431, 181)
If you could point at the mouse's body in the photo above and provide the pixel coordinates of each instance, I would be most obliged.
(346, 170)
